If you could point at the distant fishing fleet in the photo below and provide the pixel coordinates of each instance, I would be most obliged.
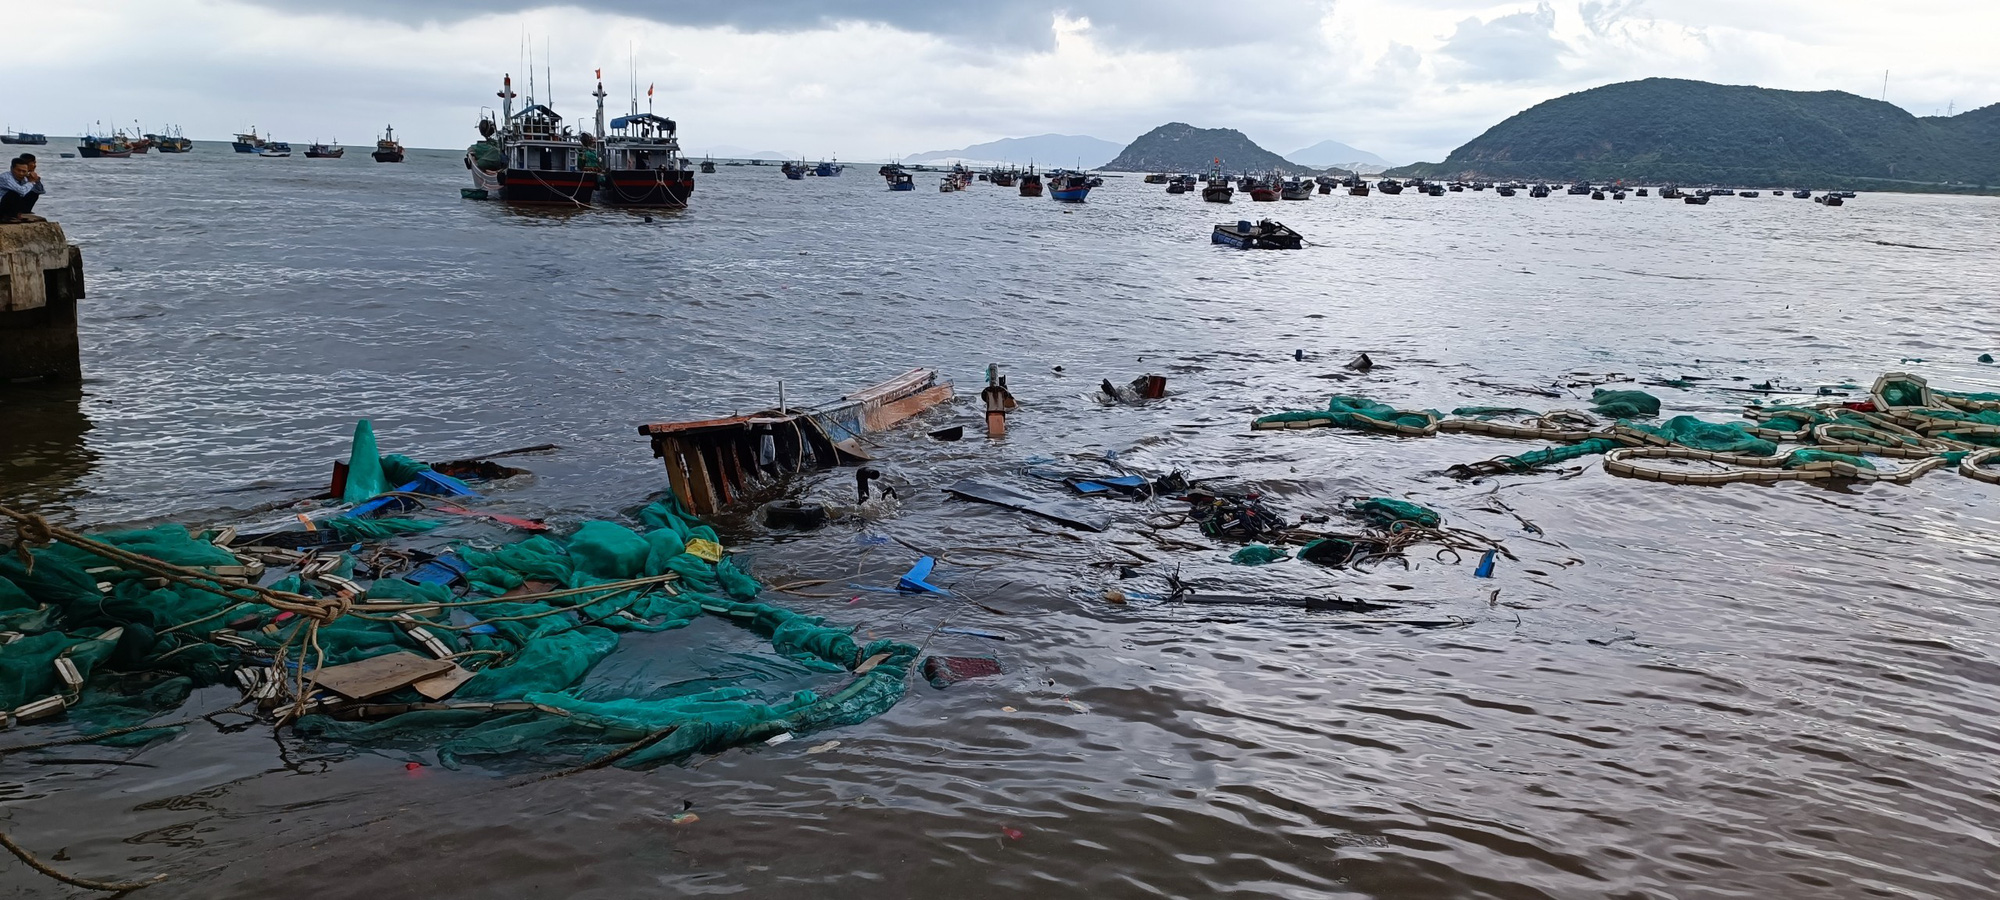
(528, 156)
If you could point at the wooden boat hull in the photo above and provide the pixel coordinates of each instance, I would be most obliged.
(387, 156)
(89, 152)
(326, 154)
(1031, 189)
(1070, 195)
(1217, 195)
(534, 186)
(714, 464)
(660, 188)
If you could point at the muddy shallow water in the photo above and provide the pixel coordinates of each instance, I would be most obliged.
(1745, 691)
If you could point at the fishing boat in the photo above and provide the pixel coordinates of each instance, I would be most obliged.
(1540, 190)
(1618, 195)
(1264, 235)
(1296, 189)
(1504, 191)
(1750, 195)
(1031, 184)
(1641, 192)
(248, 143)
(1801, 195)
(828, 169)
(1157, 178)
(317, 150)
(889, 170)
(707, 166)
(170, 140)
(1670, 193)
(1389, 186)
(1580, 188)
(139, 145)
(640, 159)
(387, 149)
(794, 172)
(1002, 177)
(528, 157)
(1262, 190)
(1359, 189)
(113, 147)
(1596, 195)
(949, 184)
(22, 137)
(902, 181)
(1829, 199)
(275, 149)
(1695, 199)
(1069, 187)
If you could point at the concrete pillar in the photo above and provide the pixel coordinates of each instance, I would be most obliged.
(41, 279)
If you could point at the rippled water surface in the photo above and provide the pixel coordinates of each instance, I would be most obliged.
(1745, 691)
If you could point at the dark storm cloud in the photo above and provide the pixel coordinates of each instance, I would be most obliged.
(1014, 23)
(1517, 47)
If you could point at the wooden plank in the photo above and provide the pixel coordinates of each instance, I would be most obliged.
(890, 414)
(906, 383)
(438, 687)
(379, 674)
(677, 480)
(703, 487)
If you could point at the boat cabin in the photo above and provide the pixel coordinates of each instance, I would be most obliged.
(642, 141)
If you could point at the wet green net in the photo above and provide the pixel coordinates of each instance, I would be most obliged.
(556, 650)
(1905, 419)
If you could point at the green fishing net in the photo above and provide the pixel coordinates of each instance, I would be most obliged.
(1625, 404)
(1353, 412)
(546, 683)
(1257, 555)
(1387, 512)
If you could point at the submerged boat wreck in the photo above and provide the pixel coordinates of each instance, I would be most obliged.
(713, 464)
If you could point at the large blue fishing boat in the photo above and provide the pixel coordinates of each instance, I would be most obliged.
(828, 169)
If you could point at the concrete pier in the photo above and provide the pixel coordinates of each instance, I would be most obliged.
(41, 279)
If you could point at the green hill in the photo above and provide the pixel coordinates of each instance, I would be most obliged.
(1693, 132)
(1180, 147)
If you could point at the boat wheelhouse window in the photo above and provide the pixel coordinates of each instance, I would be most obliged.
(639, 160)
(547, 159)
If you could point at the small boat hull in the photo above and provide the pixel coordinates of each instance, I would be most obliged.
(535, 187)
(387, 156)
(654, 188)
(326, 154)
(1070, 195)
(243, 146)
(89, 152)
(1265, 235)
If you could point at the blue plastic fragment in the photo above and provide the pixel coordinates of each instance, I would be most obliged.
(462, 619)
(446, 570)
(1485, 569)
(913, 580)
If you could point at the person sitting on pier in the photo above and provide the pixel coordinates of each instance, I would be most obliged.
(20, 187)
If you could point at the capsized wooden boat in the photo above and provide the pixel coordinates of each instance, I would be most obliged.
(714, 464)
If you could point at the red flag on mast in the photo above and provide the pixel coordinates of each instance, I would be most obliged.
(600, 74)
(649, 90)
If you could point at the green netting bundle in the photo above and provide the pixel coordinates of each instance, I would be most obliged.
(1387, 512)
(1535, 459)
(1906, 390)
(1257, 555)
(1718, 437)
(1625, 404)
(1355, 412)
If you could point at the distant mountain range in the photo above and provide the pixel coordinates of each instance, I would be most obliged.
(1045, 150)
(1694, 132)
(1335, 153)
(1180, 147)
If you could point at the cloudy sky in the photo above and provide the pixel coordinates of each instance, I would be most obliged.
(1406, 79)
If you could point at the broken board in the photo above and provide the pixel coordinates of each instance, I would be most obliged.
(379, 674)
(1066, 513)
